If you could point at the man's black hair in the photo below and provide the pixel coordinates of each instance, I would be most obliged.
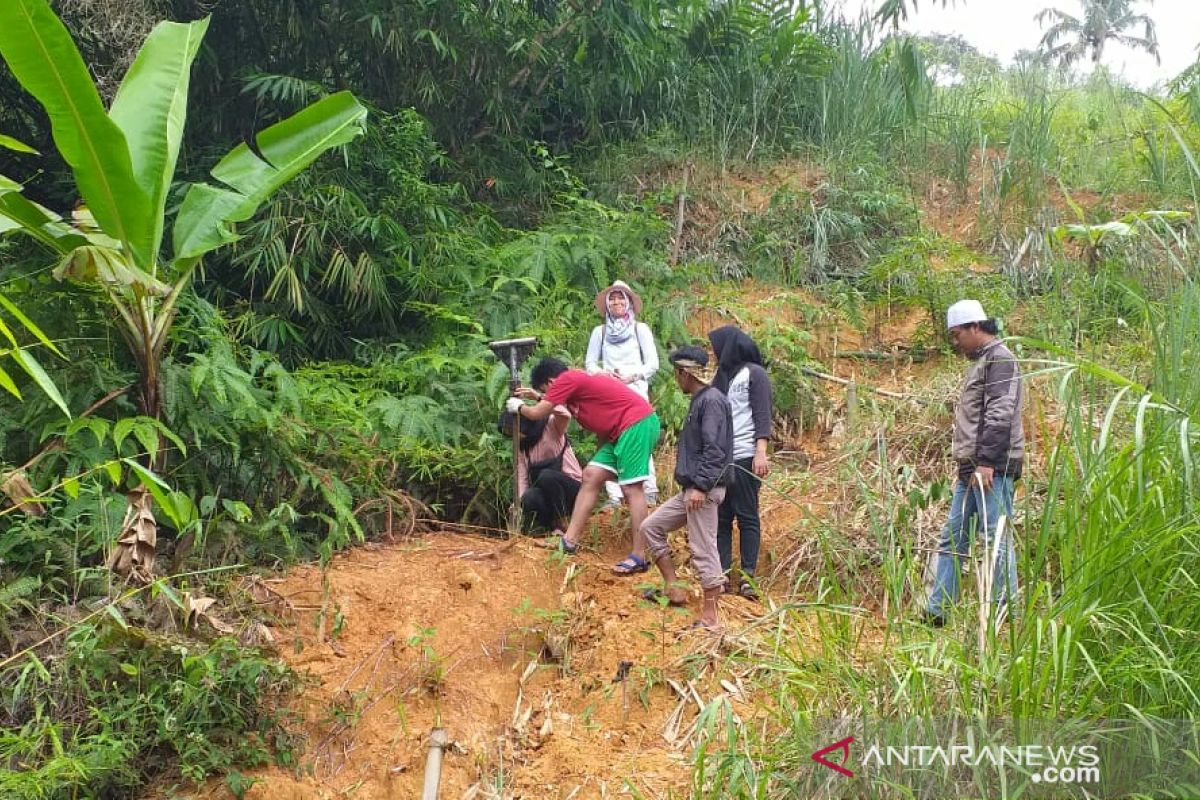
(545, 371)
(689, 352)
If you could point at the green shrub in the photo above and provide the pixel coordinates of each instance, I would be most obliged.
(116, 706)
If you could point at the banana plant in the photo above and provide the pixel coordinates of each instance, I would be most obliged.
(1096, 240)
(123, 161)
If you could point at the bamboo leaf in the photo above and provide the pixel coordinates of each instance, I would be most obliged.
(41, 55)
(28, 323)
(114, 612)
(34, 370)
(7, 384)
(7, 333)
(9, 143)
(167, 591)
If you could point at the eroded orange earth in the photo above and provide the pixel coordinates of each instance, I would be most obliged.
(510, 648)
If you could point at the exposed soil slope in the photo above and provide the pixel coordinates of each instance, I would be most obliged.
(510, 648)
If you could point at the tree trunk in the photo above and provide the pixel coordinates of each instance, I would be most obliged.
(149, 401)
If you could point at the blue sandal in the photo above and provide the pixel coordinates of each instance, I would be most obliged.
(563, 546)
(630, 565)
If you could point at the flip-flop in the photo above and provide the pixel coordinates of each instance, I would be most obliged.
(630, 565)
(559, 544)
(746, 590)
(655, 596)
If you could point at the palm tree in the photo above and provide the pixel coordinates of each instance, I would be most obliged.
(893, 11)
(1102, 21)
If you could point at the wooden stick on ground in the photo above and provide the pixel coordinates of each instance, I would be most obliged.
(825, 376)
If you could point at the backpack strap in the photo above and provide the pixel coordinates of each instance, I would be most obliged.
(637, 336)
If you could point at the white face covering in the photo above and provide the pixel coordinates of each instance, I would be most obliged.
(618, 329)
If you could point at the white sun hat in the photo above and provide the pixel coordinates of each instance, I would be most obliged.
(965, 312)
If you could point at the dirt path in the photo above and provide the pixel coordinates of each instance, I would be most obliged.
(511, 649)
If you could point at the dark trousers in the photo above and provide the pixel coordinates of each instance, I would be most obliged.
(741, 503)
(551, 498)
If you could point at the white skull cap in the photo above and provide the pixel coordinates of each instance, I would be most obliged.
(965, 312)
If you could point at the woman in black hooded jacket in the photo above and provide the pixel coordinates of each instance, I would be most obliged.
(743, 378)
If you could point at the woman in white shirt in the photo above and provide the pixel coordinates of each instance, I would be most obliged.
(624, 348)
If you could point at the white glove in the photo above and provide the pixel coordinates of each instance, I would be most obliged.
(513, 405)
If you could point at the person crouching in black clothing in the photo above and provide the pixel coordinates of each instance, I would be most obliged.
(548, 473)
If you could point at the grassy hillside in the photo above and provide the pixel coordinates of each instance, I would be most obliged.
(327, 384)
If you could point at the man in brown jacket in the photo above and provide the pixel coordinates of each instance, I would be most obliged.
(989, 447)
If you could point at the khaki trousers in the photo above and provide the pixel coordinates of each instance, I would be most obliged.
(701, 531)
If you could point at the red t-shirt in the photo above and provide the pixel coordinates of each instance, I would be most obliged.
(601, 403)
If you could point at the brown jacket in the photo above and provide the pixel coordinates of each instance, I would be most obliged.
(987, 420)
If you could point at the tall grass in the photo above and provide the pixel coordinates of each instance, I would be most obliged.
(871, 96)
(954, 134)
(1109, 546)
(1029, 130)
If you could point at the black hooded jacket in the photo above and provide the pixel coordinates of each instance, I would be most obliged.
(735, 350)
(705, 443)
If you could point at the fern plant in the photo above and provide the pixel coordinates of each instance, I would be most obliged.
(15, 597)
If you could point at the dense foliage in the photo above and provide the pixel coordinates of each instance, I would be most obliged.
(324, 377)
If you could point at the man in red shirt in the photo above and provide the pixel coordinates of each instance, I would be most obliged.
(627, 428)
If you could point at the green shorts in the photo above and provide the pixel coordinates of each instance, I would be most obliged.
(629, 455)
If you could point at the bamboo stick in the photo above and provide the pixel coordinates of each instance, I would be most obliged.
(438, 742)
